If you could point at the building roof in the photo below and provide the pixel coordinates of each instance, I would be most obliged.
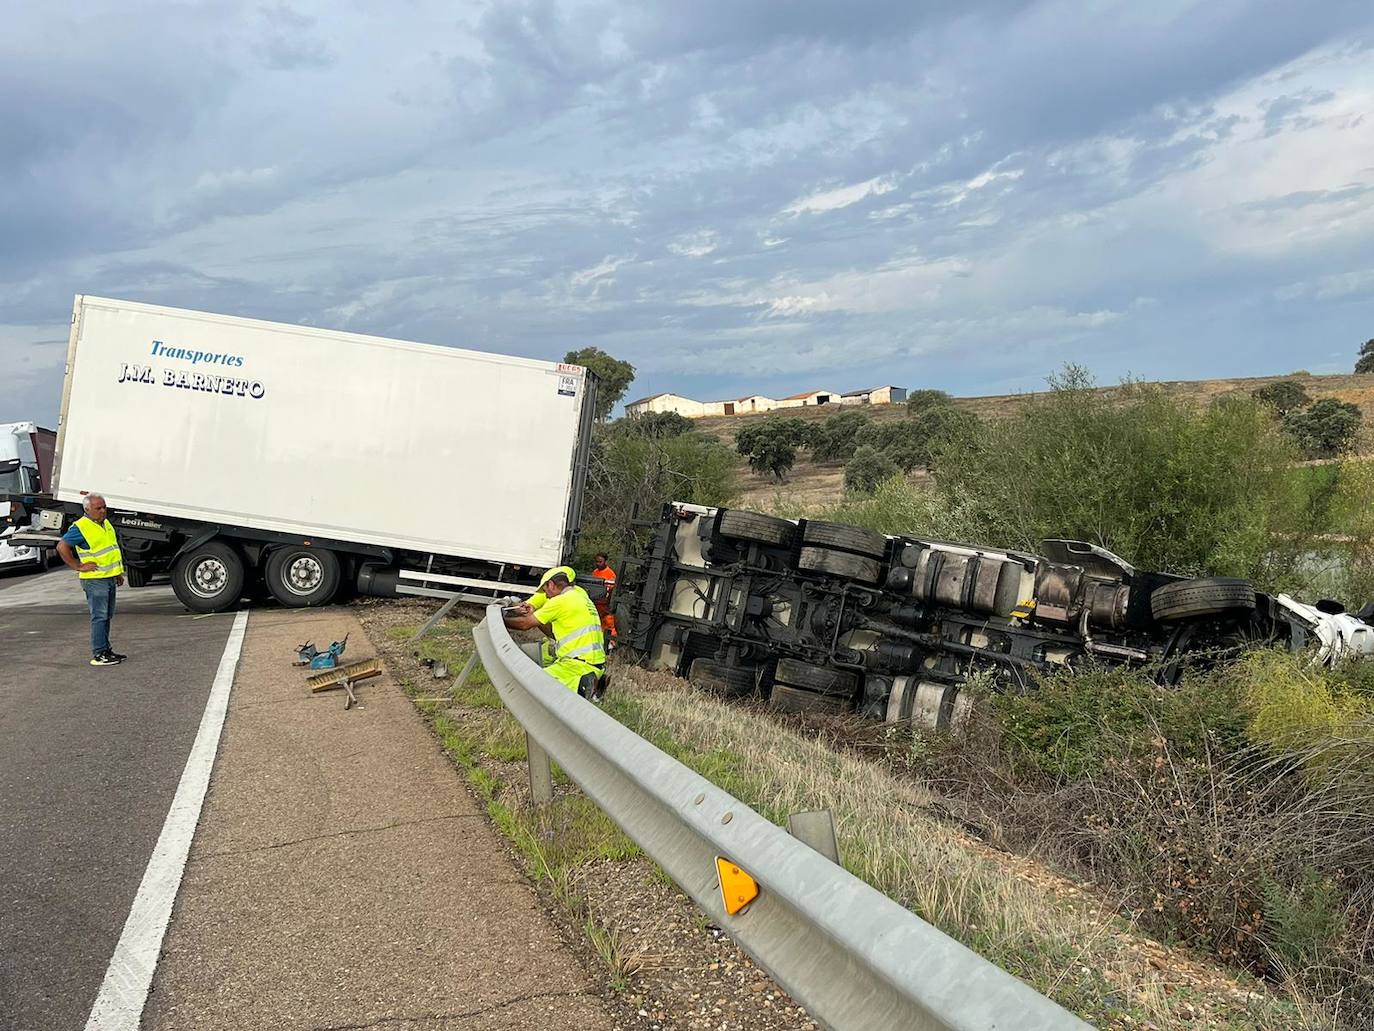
(806, 393)
(642, 400)
(869, 390)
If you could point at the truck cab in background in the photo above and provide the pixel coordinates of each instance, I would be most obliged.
(26, 455)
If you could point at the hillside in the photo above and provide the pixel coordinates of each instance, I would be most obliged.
(813, 484)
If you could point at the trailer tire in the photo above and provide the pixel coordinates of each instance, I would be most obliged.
(844, 538)
(136, 577)
(839, 563)
(820, 679)
(796, 699)
(208, 578)
(718, 678)
(1208, 596)
(300, 577)
(750, 526)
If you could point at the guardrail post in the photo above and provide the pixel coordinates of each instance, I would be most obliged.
(541, 771)
(817, 829)
(434, 619)
(468, 667)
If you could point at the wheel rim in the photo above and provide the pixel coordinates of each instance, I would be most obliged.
(208, 577)
(303, 575)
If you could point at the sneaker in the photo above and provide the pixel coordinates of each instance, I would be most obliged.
(105, 659)
(110, 653)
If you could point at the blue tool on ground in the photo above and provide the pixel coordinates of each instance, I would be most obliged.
(308, 655)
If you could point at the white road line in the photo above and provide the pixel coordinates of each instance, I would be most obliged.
(119, 1006)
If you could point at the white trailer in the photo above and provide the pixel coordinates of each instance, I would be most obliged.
(233, 451)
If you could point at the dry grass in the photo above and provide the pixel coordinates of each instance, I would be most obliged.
(1066, 942)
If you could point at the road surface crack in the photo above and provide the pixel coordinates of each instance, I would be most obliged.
(457, 1015)
(352, 831)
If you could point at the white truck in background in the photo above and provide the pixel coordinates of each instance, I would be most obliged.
(26, 457)
(237, 456)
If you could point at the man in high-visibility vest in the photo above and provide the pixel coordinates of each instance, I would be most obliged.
(601, 569)
(90, 547)
(575, 652)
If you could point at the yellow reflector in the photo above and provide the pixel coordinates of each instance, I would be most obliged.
(737, 888)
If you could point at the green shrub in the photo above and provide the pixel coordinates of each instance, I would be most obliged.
(771, 444)
(1163, 484)
(919, 401)
(633, 470)
(834, 439)
(867, 469)
(1325, 428)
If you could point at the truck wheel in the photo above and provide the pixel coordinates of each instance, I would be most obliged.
(821, 679)
(794, 699)
(209, 578)
(840, 563)
(136, 577)
(845, 538)
(1208, 596)
(718, 678)
(302, 577)
(750, 526)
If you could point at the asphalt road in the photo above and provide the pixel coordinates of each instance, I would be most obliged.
(89, 761)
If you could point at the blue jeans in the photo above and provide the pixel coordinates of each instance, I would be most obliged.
(100, 598)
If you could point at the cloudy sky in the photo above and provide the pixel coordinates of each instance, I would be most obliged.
(734, 196)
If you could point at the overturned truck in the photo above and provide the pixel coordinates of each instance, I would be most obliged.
(825, 617)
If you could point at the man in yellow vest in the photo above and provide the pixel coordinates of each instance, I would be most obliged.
(91, 549)
(575, 652)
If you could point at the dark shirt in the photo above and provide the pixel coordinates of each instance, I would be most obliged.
(75, 537)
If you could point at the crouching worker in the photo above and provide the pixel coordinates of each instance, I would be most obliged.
(575, 652)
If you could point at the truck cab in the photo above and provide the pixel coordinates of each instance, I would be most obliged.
(26, 451)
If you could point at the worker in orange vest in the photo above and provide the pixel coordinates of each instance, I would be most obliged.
(602, 570)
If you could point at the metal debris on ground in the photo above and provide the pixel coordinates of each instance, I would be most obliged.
(308, 655)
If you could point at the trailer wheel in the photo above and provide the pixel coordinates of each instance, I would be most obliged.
(845, 538)
(840, 563)
(136, 576)
(303, 577)
(718, 678)
(795, 699)
(1208, 596)
(208, 578)
(821, 679)
(750, 526)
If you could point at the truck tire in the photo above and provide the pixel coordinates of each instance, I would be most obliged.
(844, 538)
(301, 577)
(1207, 596)
(208, 578)
(820, 679)
(718, 678)
(750, 526)
(839, 563)
(795, 699)
(136, 577)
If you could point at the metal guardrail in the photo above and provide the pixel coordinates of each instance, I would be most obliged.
(853, 957)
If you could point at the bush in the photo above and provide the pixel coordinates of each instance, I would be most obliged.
(901, 442)
(919, 401)
(771, 444)
(1163, 484)
(632, 470)
(657, 424)
(1282, 396)
(868, 468)
(1325, 428)
(834, 439)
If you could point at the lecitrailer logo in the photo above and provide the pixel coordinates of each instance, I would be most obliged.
(184, 379)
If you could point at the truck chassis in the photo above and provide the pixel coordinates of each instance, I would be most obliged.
(825, 617)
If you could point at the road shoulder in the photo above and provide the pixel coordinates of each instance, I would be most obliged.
(343, 876)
